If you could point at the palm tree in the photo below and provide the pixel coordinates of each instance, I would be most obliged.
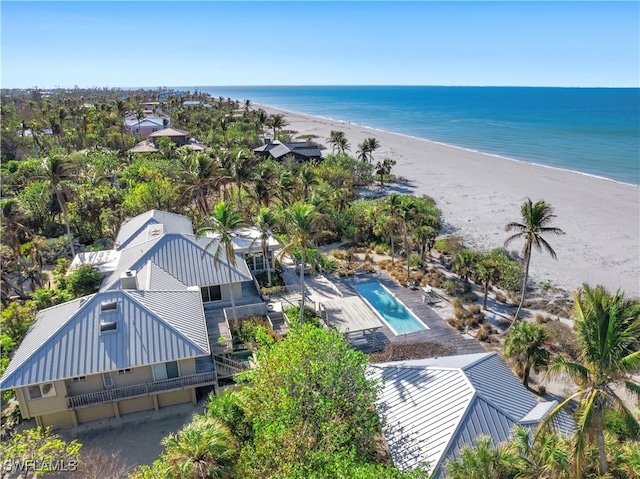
(59, 170)
(384, 168)
(406, 213)
(488, 271)
(203, 449)
(140, 116)
(526, 344)
(608, 337)
(12, 218)
(202, 176)
(482, 461)
(265, 221)
(548, 457)
(338, 141)
(277, 122)
(301, 220)
(535, 223)
(393, 207)
(372, 145)
(222, 223)
(363, 151)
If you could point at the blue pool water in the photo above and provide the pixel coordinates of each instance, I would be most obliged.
(394, 313)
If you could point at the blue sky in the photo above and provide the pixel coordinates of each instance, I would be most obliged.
(126, 44)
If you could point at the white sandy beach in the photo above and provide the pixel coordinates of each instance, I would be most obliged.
(478, 194)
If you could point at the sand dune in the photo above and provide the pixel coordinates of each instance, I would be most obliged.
(480, 193)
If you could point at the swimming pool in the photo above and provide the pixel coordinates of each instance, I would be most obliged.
(397, 316)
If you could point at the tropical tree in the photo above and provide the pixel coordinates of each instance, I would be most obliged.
(393, 207)
(482, 461)
(57, 172)
(608, 337)
(406, 213)
(526, 344)
(203, 449)
(13, 221)
(487, 271)
(384, 168)
(302, 223)
(222, 224)
(465, 263)
(265, 221)
(338, 142)
(277, 122)
(548, 457)
(536, 219)
(373, 145)
(363, 151)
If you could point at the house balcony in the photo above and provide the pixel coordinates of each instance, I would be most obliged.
(139, 390)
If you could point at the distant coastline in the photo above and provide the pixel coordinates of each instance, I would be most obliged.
(576, 138)
(480, 193)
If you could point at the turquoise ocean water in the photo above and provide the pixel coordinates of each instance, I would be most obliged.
(590, 130)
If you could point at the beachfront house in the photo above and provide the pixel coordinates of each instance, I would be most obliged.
(299, 151)
(177, 137)
(108, 354)
(148, 339)
(433, 407)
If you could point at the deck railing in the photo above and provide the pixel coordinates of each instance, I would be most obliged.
(138, 390)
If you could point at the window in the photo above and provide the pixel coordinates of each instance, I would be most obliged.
(79, 379)
(45, 390)
(211, 293)
(166, 371)
(108, 326)
(108, 306)
(107, 380)
(122, 372)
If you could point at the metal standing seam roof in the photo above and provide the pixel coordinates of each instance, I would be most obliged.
(65, 341)
(152, 277)
(136, 226)
(185, 257)
(433, 407)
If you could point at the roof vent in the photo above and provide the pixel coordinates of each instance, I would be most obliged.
(128, 280)
(108, 306)
(153, 231)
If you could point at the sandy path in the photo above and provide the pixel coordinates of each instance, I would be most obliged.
(480, 193)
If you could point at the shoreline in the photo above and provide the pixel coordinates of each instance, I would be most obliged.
(479, 193)
(449, 145)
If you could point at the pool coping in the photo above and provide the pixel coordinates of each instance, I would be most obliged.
(387, 323)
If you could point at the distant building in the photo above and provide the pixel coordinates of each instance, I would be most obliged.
(300, 151)
(178, 137)
(146, 126)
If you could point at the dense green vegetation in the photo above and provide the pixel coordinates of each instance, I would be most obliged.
(305, 411)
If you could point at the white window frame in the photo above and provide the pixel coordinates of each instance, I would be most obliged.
(79, 379)
(51, 393)
(122, 372)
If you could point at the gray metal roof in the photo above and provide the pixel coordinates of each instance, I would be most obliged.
(65, 341)
(153, 277)
(134, 230)
(432, 407)
(185, 257)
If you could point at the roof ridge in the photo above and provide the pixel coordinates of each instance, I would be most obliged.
(156, 315)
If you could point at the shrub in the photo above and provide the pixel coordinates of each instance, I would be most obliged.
(449, 287)
(542, 391)
(456, 323)
(500, 297)
(562, 337)
(475, 309)
(540, 319)
(337, 253)
(485, 332)
(378, 249)
(415, 261)
(450, 245)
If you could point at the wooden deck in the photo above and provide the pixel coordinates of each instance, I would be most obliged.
(439, 331)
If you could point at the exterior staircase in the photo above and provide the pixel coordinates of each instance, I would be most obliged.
(277, 320)
(227, 367)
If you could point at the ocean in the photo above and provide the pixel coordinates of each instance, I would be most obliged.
(594, 131)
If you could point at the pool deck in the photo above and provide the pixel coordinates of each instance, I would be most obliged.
(439, 331)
